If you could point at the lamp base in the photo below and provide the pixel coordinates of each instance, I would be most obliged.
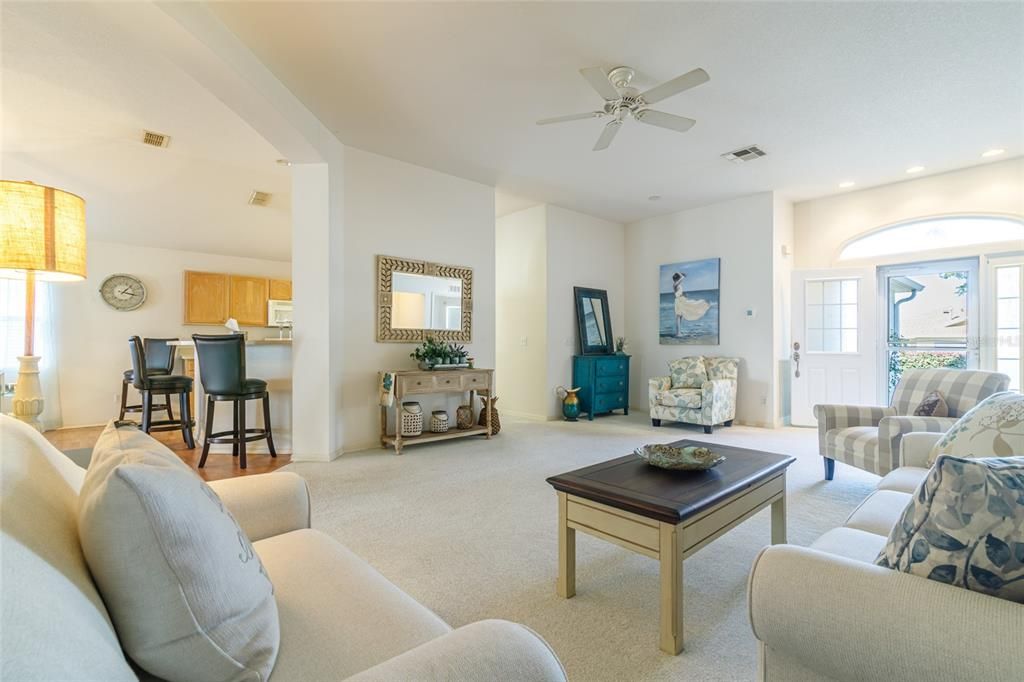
(28, 392)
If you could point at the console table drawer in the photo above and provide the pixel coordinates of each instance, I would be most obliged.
(444, 382)
(417, 384)
(473, 381)
(611, 367)
(606, 402)
(611, 384)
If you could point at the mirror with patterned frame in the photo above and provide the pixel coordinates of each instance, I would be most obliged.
(417, 299)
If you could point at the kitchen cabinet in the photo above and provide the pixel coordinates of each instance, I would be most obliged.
(248, 300)
(206, 298)
(280, 289)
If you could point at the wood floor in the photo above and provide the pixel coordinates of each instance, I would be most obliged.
(217, 465)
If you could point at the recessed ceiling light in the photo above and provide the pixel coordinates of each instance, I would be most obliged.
(915, 169)
(993, 152)
(847, 184)
(284, 162)
(654, 197)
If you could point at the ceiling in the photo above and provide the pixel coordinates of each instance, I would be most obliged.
(832, 91)
(78, 90)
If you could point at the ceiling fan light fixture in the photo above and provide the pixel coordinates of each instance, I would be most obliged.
(621, 101)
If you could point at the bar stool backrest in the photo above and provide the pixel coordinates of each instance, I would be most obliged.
(159, 355)
(221, 362)
(139, 368)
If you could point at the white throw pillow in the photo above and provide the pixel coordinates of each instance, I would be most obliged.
(992, 428)
(189, 598)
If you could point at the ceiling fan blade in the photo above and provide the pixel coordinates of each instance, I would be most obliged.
(662, 120)
(570, 117)
(598, 80)
(676, 85)
(607, 135)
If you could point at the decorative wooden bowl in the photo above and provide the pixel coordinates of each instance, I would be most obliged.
(690, 458)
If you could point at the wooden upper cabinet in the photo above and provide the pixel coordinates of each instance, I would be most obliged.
(281, 289)
(206, 298)
(248, 299)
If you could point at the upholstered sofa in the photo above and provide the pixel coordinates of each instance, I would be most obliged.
(700, 390)
(827, 612)
(338, 617)
(869, 437)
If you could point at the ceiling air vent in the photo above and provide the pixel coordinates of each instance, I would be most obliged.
(155, 139)
(258, 198)
(744, 154)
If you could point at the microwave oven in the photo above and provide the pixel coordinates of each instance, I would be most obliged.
(279, 313)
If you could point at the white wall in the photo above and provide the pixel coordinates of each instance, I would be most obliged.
(521, 325)
(782, 275)
(823, 226)
(582, 251)
(93, 348)
(398, 209)
(740, 232)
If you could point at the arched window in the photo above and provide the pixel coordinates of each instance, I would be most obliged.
(934, 233)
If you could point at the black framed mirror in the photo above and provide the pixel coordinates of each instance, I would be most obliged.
(593, 321)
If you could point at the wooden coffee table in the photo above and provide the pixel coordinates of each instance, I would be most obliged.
(666, 515)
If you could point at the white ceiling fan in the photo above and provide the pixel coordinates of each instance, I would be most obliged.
(622, 100)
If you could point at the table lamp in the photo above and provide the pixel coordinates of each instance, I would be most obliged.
(42, 236)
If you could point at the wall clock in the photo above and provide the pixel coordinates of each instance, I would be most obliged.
(123, 292)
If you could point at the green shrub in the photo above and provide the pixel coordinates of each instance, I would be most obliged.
(903, 360)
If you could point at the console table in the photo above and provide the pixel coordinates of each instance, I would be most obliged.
(418, 382)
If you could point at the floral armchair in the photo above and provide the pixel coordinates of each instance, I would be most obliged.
(869, 437)
(699, 390)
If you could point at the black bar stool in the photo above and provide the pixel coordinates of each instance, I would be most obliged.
(159, 362)
(222, 370)
(161, 384)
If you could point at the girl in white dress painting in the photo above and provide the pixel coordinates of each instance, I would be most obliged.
(686, 308)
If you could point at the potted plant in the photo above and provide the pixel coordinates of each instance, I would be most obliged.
(430, 353)
(458, 354)
(620, 345)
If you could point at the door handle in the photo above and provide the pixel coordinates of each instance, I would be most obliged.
(796, 358)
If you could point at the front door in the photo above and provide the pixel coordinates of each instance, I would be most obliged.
(834, 342)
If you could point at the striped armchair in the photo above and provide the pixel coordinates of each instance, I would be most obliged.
(869, 437)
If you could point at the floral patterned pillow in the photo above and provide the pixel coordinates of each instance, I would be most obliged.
(992, 428)
(688, 372)
(965, 527)
(722, 368)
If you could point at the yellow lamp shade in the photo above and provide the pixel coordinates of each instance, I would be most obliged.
(42, 230)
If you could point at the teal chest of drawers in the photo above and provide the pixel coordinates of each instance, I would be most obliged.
(603, 381)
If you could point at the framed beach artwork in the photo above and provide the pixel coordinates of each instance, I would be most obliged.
(688, 303)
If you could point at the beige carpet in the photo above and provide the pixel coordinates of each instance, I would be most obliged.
(468, 529)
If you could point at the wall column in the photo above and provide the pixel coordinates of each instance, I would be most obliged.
(317, 294)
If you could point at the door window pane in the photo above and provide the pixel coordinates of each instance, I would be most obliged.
(849, 291)
(832, 291)
(849, 341)
(1008, 313)
(813, 293)
(1008, 282)
(1008, 331)
(830, 315)
(814, 342)
(814, 317)
(831, 341)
